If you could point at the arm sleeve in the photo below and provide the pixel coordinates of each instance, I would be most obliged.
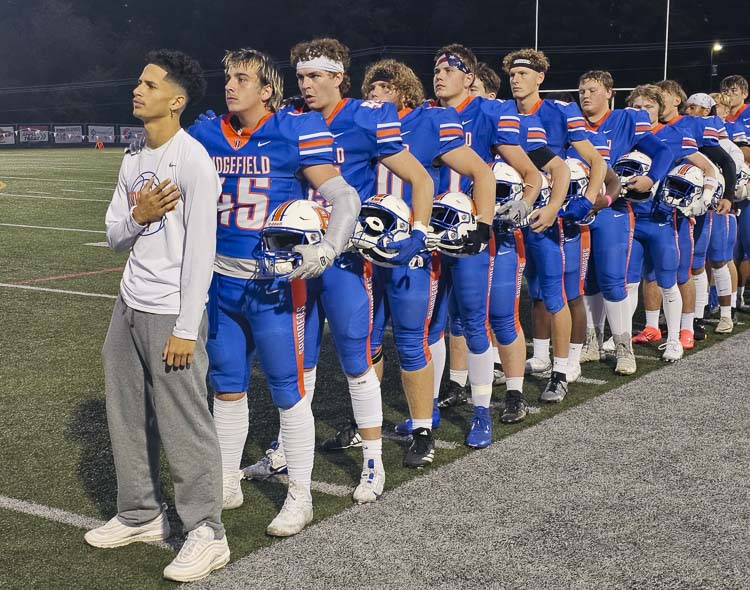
(541, 156)
(122, 229)
(345, 205)
(200, 188)
(661, 155)
(723, 160)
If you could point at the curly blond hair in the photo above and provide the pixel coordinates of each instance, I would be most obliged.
(539, 61)
(400, 77)
(325, 47)
(722, 99)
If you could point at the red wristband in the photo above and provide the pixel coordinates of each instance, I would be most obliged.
(609, 200)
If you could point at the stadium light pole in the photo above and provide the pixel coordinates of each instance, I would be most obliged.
(715, 48)
(666, 42)
(536, 27)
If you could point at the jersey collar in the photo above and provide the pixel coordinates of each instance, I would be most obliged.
(465, 103)
(673, 120)
(238, 139)
(733, 118)
(336, 111)
(594, 125)
(656, 127)
(536, 107)
(405, 111)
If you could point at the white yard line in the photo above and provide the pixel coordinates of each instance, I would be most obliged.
(71, 190)
(588, 381)
(89, 231)
(61, 291)
(330, 489)
(57, 180)
(41, 196)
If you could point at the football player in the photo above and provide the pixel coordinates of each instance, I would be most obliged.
(262, 156)
(436, 138)
(611, 232)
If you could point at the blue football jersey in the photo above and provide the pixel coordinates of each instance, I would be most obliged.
(679, 142)
(742, 118)
(705, 130)
(623, 128)
(598, 140)
(486, 123)
(563, 123)
(259, 170)
(736, 132)
(428, 133)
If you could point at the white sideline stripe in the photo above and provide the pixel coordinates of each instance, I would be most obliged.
(58, 180)
(33, 192)
(63, 291)
(99, 244)
(40, 196)
(330, 489)
(59, 515)
(643, 357)
(72, 190)
(439, 444)
(588, 381)
(89, 231)
(48, 513)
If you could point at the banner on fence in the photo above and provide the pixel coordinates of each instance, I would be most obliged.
(33, 133)
(103, 133)
(128, 134)
(7, 135)
(68, 134)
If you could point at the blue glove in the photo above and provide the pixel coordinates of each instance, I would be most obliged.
(408, 248)
(207, 116)
(577, 209)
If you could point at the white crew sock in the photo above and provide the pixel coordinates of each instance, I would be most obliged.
(723, 280)
(672, 302)
(459, 377)
(514, 383)
(437, 351)
(366, 399)
(652, 318)
(541, 348)
(741, 295)
(725, 311)
(618, 316)
(701, 293)
(427, 423)
(232, 424)
(733, 300)
(298, 438)
(560, 365)
(686, 321)
(574, 353)
(633, 297)
(373, 449)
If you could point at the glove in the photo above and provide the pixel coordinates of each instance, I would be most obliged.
(315, 259)
(410, 247)
(207, 116)
(577, 209)
(136, 145)
(515, 212)
(477, 239)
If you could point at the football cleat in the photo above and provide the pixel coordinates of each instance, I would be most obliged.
(498, 377)
(672, 351)
(649, 334)
(725, 326)
(609, 345)
(293, 223)
(199, 556)
(699, 332)
(591, 350)
(295, 514)
(346, 437)
(454, 395)
(556, 389)
(115, 534)
(406, 428)
(383, 219)
(574, 371)
(232, 490)
(515, 409)
(480, 429)
(537, 366)
(371, 484)
(688, 338)
(421, 452)
(273, 462)
(624, 354)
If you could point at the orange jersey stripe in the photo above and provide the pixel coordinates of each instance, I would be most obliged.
(315, 143)
(389, 132)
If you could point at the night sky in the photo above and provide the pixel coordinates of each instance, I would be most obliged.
(67, 62)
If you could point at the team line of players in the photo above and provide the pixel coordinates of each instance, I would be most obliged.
(459, 198)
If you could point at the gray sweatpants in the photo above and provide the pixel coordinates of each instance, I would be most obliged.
(147, 405)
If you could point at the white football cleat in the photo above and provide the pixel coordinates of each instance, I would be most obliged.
(371, 484)
(624, 353)
(725, 326)
(115, 534)
(199, 556)
(573, 372)
(232, 496)
(591, 350)
(673, 351)
(537, 366)
(295, 514)
(273, 462)
(609, 345)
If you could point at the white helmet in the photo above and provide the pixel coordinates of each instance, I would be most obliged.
(383, 219)
(454, 215)
(634, 164)
(579, 178)
(293, 223)
(683, 190)
(742, 191)
(508, 183)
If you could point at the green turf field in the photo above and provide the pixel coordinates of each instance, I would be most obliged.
(54, 445)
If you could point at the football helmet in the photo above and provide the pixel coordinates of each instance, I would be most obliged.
(508, 183)
(293, 223)
(742, 192)
(634, 164)
(683, 190)
(454, 215)
(579, 178)
(383, 219)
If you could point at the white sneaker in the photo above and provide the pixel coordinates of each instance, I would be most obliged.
(591, 348)
(673, 351)
(609, 345)
(273, 462)
(200, 555)
(624, 354)
(232, 496)
(295, 514)
(573, 372)
(115, 534)
(725, 326)
(498, 377)
(537, 366)
(371, 484)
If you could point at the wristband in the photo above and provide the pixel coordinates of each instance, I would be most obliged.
(609, 200)
(710, 182)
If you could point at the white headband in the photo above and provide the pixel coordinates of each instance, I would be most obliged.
(322, 63)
